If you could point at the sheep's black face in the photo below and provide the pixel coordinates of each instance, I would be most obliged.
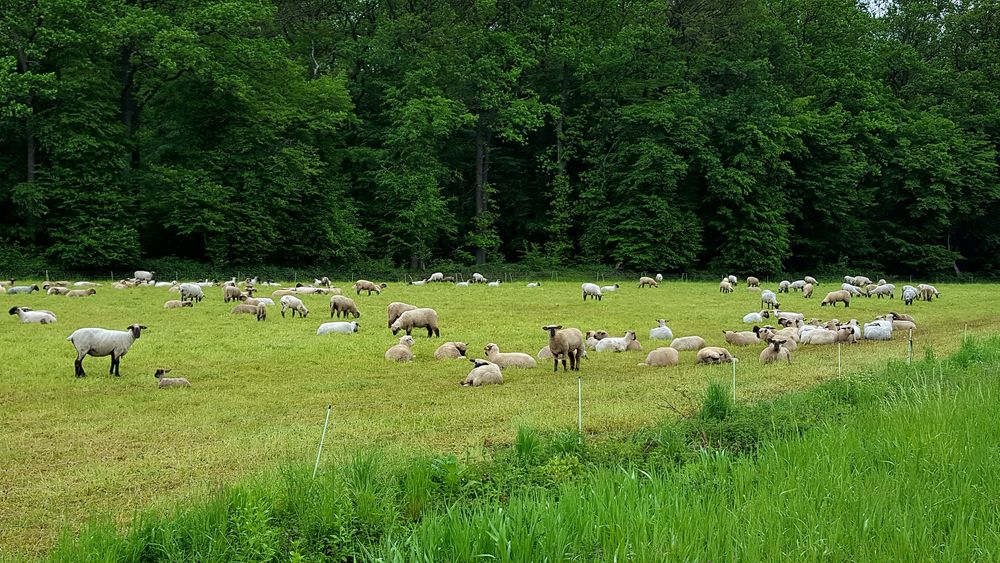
(13, 311)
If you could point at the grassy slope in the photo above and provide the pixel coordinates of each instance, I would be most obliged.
(75, 447)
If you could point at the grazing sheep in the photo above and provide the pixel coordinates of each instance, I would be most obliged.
(295, 304)
(752, 281)
(191, 292)
(733, 280)
(645, 280)
(365, 285)
(26, 315)
(340, 304)
(483, 373)
(661, 332)
(170, 381)
(661, 357)
(565, 343)
(618, 344)
(478, 278)
(797, 285)
(395, 309)
(688, 343)
(741, 338)
(725, 286)
(177, 304)
(927, 291)
(338, 327)
(509, 359)
(402, 352)
(81, 292)
(323, 281)
(853, 290)
(810, 279)
(658, 278)
(878, 330)
(593, 337)
(260, 310)
(450, 350)
(22, 289)
(534, 284)
(591, 289)
(768, 298)
(57, 290)
(714, 355)
(807, 291)
(909, 294)
(417, 318)
(835, 297)
(756, 317)
(436, 277)
(783, 286)
(232, 293)
(102, 342)
(609, 288)
(143, 276)
(881, 290)
(775, 352)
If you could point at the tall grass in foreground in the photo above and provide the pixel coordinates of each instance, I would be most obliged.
(896, 465)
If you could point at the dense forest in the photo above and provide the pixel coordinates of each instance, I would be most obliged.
(755, 135)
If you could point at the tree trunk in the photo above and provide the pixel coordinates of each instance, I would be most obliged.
(482, 169)
(29, 130)
(129, 105)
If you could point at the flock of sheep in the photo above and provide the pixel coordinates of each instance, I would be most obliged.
(568, 345)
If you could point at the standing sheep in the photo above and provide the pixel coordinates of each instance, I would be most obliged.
(752, 281)
(395, 309)
(783, 286)
(725, 286)
(645, 280)
(143, 276)
(658, 278)
(295, 304)
(417, 318)
(483, 373)
(231, 293)
(767, 297)
(402, 352)
(450, 350)
(102, 342)
(191, 292)
(733, 280)
(340, 304)
(478, 278)
(834, 297)
(807, 291)
(565, 343)
(812, 280)
(509, 359)
(591, 289)
(365, 285)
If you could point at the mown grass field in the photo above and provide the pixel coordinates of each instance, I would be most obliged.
(75, 447)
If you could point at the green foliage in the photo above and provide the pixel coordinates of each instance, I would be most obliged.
(718, 403)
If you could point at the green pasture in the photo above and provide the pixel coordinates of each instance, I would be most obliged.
(103, 445)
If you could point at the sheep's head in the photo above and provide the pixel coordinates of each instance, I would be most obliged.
(356, 325)
(14, 310)
(160, 372)
(478, 363)
(552, 329)
(461, 347)
(600, 334)
(407, 341)
(136, 330)
(491, 347)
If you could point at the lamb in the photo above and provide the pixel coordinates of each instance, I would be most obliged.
(768, 298)
(478, 278)
(340, 304)
(436, 277)
(789, 315)
(741, 338)
(260, 310)
(395, 309)
(609, 288)
(898, 317)
(591, 289)
(619, 344)
(752, 281)
(756, 317)
(775, 352)
(783, 286)
(565, 343)
(658, 278)
(909, 294)
(57, 290)
(365, 285)
(688, 343)
(903, 325)
(807, 291)
(338, 327)
(661, 332)
(660, 357)
(645, 280)
(402, 352)
(810, 279)
(593, 337)
(191, 292)
(26, 315)
(81, 292)
(170, 381)
(417, 318)
(926, 290)
(725, 286)
(177, 304)
(835, 297)
(450, 350)
(495, 283)
(102, 342)
(483, 373)
(22, 289)
(509, 359)
(295, 304)
(714, 355)
(878, 330)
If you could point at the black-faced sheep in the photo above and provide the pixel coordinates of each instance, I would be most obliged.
(451, 350)
(483, 373)
(102, 342)
(417, 318)
(340, 304)
(565, 343)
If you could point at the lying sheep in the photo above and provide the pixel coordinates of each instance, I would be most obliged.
(170, 381)
(897, 317)
(338, 328)
(259, 310)
(544, 353)
(191, 292)
(769, 299)
(81, 292)
(752, 281)
(85, 284)
(903, 325)
(417, 283)
(323, 281)
(661, 332)
(365, 285)
(534, 284)
(450, 350)
(402, 352)
(714, 355)
(417, 318)
(483, 373)
(565, 343)
(619, 344)
(878, 330)
(340, 304)
(593, 337)
(775, 352)
(26, 315)
(495, 283)
(741, 338)
(177, 304)
(57, 290)
(835, 297)
(102, 342)
(259, 301)
(462, 284)
(295, 304)
(282, 292)
(509, 359)
(725, 286)
(645, 280)
(688, 343)
(609, 288)
(783, 286)
(22, 289)
(660, 357)
(756, 317)
(395, 309)
(591, 289)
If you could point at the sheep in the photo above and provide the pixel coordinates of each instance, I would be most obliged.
(927, 292)
(495, 283)
(205, 283)
(165, 284)
(878, 330)
(170, 381)
(85, 284)
(767, 297)
(143, 276)
(462, 284)
(593, 337)
(26, 315)
(260, 310)
(534, 284)
(436, 277)
(565, 343)
(365, 285)
(323, 281)
(741, 338)
(282, 292)
(661, 332)
(81, 292)
(591, 289)
(617, 344)
(102, 342)
(417, 283)
(819, 336)
(259, 301)
(775, 352)
(295, 304)
(853, 290)
(544, 353)
(509, 359)
(714, 355)
(478, 278)
(658, 278)
(835, 297)
(3, 290)
(756, 317)
(191, 292)
(451, 350)
(57, 290)
(903, 325)
(882, 290)
(807, 291)
(661, 357)
(22, 289)
(483, 373)
(688, 343)
(177, 304)
(783, 286)
(725, 286)
(609, 288)
(898, 317)
(881, 281)
(395, 309)
(810, 279)
(402, 352)
(797, 285)
(645, 280)
(789, 315)
(338, 327)
(733, 280)
(340, 304)
(7, 283)
(417, 318)
(909, 294)
(232, 293)
(788, 336)
(755, 289)
(752, 281)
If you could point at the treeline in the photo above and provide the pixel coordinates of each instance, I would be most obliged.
(753, 136)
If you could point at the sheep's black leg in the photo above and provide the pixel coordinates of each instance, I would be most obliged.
(111, 368)
(78, 366)
(408, 329)
(555, 363)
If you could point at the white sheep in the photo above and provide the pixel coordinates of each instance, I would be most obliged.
(817, 335)
(909, 294)
(395, 309)
(509, 359)
(687, 343)
(714, 355)
(102, 342)
(733, 280)
(797, 285)
(29, 316)
(855, 291)
(658, 278)
(661, 332)
(495, 283)
(402, 352)
(417, 283)
(478, 278)
(662, 356)
(725, 286)
(86, 284)
(878, 330)
(417, 318)
(483, 373)
(436, 277)
(646, 280)
(593, 337)
(295, 304)
(338, 327)
(616, 344)
(783, 286)
(565, 343)
(170, 381)
(463, 284)
(768, 298)
(451, 350)
(532, 284)
(609, 288)
(741, 338)
(812, 280)
(177, 304)
(591, 289)
(143, 276)
(756, 317)
(882, 290)
(22, 289)
(191, 292)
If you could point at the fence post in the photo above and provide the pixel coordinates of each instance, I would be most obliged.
(322, 439)
(909, 349)
(734, 380)
(839, 362)
(579, 405)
